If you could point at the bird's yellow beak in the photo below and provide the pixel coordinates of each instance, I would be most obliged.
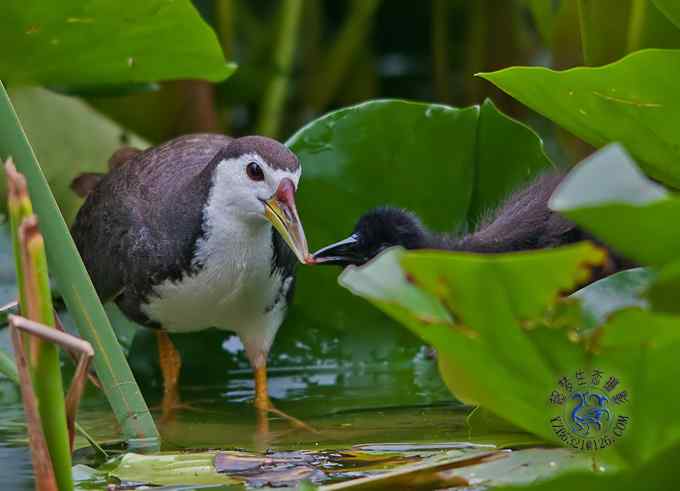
(281, 211)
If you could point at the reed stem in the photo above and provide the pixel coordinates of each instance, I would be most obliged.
(341, 54)
(275, 98)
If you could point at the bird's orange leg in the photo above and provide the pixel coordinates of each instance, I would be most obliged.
(171, 364)
(262, 401)
(264, 405)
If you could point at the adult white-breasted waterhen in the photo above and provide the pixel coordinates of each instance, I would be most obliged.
(522, 222)
(199, 232)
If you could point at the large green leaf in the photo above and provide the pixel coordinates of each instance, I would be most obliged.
(633, 101)
(661, 473)
(472, 308)
(641, 348)
(385, 152)
(183, 469)
(503, 342)
(663, 293)
(608, 195)
(101, 42)
(604, 297)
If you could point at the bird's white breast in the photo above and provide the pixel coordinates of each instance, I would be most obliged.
(233, 286)
(234, 290)
(233, 283)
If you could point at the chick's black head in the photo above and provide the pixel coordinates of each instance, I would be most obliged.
(386, 227)
(375, 231)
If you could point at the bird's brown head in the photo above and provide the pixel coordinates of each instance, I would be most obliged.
(260, 177)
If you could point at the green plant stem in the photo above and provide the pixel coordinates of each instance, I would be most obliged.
(46, 416)
(224, 14)
(584, 20)
(341, 54)
(311, 49)
(79, 295)
(440, 49)
(636, 24)
(19, 208)
(605, 27)
(275, 97)
(46, 370)
(224, 11)
(477, 46)
(43, 470)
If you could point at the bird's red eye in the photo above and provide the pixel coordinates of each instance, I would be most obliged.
(254, 171)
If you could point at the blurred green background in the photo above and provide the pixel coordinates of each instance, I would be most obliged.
(351, 51)
(342, 53)
(93, 76)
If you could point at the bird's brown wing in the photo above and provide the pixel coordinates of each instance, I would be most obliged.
(101, 232)
(139, 225)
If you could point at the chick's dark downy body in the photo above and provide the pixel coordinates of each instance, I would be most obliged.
(522, 222)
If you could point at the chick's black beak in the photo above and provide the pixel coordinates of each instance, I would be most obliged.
(347, 251)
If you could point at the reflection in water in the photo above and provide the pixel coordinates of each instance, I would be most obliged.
(16, 472)
(349, 403)
(356, 382)
(15, 461)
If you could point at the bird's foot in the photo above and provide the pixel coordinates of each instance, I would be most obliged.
(295, 422)
(171, 405)
(265, 406)
(177, 406)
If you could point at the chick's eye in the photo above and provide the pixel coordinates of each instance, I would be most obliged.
(254, 172)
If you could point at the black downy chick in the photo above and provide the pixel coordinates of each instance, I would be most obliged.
(522, 222)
